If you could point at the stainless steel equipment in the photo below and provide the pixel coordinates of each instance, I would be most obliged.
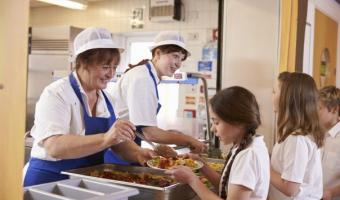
(49, 54)
(78, 189)
(176, 191)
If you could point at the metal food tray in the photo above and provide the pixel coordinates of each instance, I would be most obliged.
(73, 189)
(176, 191)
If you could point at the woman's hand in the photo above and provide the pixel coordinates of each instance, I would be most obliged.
(120, 131)
(197, 146)
(143, 155)
(182, 174)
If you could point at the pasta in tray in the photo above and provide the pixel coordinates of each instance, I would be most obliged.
(134, 177)
(160, 162)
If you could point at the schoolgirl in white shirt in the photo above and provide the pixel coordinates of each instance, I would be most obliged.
(235, 114)
(329, 112)
(296, 171)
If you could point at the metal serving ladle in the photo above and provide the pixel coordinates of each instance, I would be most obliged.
(160, 149)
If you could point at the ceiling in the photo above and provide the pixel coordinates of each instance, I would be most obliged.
(35, 3)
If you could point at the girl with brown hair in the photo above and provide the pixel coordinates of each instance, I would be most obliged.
(235, 114)
(295, 162)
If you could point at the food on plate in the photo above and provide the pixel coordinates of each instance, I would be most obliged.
(166, 163)
(205, 181)
(141, 178)
(216, 166)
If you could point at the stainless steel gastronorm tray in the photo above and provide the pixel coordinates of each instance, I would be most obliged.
(78, 189)
(175, 191)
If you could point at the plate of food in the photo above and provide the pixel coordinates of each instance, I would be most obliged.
(162, 163)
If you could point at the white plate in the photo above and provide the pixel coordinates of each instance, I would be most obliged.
(199, 165)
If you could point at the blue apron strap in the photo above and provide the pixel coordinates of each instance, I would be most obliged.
(153, 78)
(109, 105)
(155, 83)
(76, 89)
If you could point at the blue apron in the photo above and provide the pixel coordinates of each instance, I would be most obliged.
(111, 157)
(43, 171)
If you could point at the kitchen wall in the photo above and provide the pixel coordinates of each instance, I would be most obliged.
(116, 15)
(250, 54)
(200, 17)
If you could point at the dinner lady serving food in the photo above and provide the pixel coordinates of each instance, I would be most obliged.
(75, 121)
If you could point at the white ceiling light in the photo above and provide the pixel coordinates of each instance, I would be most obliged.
(73, 4)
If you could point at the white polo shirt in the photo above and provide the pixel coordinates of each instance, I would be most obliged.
(298, 160)
(251, 169)
(135, 96)
(59, 111)
(331, 158)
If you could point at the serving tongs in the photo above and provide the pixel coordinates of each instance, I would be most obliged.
(160, 149)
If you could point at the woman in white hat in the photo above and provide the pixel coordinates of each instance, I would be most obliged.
(74, 118)
(136, 93)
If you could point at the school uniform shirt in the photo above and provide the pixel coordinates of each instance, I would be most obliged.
(135, 96)
(251, 169)
(331, 158)
(298, 160)
(59, 112)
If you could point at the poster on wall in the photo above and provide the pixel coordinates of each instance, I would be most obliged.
(190, 100)
(205, 66)
(208, 68)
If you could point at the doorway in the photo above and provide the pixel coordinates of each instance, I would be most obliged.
(325, 49)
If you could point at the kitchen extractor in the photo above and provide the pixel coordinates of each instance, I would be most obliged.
(49, 58)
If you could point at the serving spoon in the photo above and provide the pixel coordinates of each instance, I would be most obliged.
(160, 149)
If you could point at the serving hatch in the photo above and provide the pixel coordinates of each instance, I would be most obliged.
(173, 190)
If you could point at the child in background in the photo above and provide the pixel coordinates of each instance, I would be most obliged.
(296, 171)
(329, 109)
(235, 115)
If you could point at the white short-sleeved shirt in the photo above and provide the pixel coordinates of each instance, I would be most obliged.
(331, 158)
(59, 111)
(251, 169)
(298, 160)
(135, 96)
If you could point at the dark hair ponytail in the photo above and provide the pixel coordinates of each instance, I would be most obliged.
(169, 48)
(142, 62)
(238, 106)
(246, 141)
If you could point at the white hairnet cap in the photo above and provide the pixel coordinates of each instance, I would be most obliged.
(94, 38)
(169, 38)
